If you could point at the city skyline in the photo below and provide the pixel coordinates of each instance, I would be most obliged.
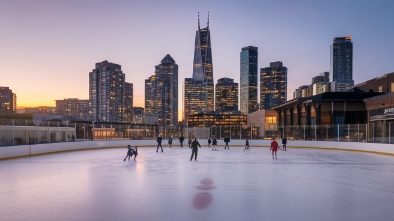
(49, 46)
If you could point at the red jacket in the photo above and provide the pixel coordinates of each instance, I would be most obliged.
(274, 145)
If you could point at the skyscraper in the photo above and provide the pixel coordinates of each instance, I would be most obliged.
(161, 92)
(107, 93)
(7, 101)
(273, 85)
(194, 102)
(226, 95)
(202, 84)
(248, 80)
(150, 91)
(341, 74)
(128, 102)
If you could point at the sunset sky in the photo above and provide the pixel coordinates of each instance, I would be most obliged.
(48, 47)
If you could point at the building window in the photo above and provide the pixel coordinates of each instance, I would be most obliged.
(392, 87)
(380, 88)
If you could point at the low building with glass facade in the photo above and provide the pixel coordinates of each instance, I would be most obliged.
(266, 121)
(381, 118)
(212, 119)
(233, 125)
(317, 114)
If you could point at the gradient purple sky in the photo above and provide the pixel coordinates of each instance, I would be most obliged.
(48, 47)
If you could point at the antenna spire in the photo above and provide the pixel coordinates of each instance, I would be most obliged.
(198, 20)
(208, 20)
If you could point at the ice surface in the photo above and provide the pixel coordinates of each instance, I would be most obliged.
(303, 184)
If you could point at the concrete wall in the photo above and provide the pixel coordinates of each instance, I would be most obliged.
(27, 150)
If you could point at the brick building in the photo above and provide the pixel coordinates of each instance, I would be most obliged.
(383, 84)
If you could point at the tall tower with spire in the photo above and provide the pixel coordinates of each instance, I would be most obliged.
(199, 90)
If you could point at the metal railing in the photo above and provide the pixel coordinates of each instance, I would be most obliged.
(22, 132)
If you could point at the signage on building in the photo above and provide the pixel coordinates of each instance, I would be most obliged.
(389, 110)
(382, 111)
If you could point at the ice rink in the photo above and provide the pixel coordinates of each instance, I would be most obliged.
(302, 184)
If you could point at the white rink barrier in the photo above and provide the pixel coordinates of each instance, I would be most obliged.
(36, 149)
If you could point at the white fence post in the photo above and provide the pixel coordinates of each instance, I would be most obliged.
(13, 133)
(84, 132)
(348, 133)
(38, 124)
(26, 132)
(373, 132)
(315, 133)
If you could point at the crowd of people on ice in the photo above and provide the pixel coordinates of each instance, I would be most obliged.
(212, 143)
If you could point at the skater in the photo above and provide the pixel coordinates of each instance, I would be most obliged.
(247, 145)
(284, 142)
(274, 148)
(190, 142)
(181, 139)
(170, 141)
(209, 142)
(159, 140)
(226, 140)
(131, 151)
(214, 143)
(195, 145)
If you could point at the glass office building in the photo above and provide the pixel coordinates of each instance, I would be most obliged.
(248, 80)
(161, 92)
(226, 95)
(273, 85)
(341, 74)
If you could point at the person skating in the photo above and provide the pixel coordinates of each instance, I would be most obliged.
(195, 144)
(226, 140)
(209, 142)
(170, 141)
(181, 139)
(131, 151)
(274, 148)
(214, 143)
(247, 145)
(159, 140)
(190, 142)
(284, 143)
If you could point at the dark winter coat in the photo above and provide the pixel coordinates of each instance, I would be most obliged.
(195, 144)
(214, 142)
